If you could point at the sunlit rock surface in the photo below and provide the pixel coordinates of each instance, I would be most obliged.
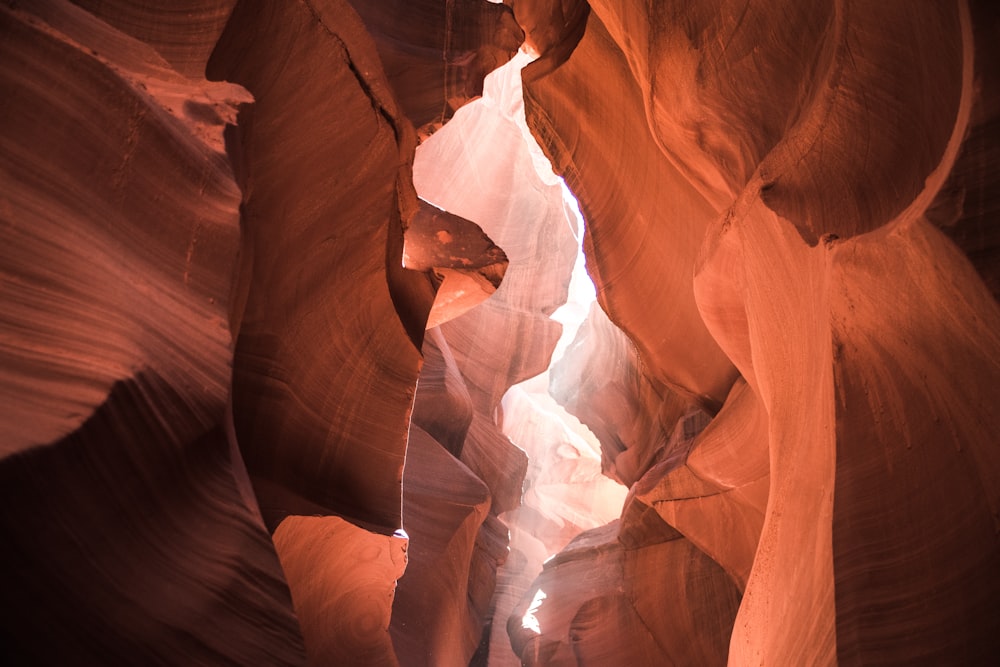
(589, 112)
(471, 361)
(602, 381)
(239, 353)
(854, 477)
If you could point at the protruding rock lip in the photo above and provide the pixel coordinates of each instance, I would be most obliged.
(467, 263)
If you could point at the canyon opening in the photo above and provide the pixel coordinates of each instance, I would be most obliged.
(470, 333)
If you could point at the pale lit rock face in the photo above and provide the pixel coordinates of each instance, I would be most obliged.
(602, 381)
(564, 493)
(521, 213)
(623, 191)
(472, 360)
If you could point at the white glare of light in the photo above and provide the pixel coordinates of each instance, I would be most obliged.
(529, 621)
(574, 206)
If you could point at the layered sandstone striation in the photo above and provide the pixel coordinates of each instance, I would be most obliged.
(480, 167)
(187, 388)
(852, 466)
(273, 378)
(128, 518)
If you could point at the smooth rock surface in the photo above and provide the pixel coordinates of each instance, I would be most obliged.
(239, 353)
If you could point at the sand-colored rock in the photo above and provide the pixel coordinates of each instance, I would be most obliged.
(826, 330)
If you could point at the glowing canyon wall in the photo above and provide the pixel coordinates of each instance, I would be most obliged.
(272, 272)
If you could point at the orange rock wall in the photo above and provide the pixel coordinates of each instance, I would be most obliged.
(252, 386)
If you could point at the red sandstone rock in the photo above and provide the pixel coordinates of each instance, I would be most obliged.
(597, 121)
(131, 533)
(184, 32)
(301, 419)
(444, 505)
(639, 590)
(435, 54)
(765, 187)
(798, 320)
(342, 578)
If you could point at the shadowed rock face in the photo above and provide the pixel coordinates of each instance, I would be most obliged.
(239, 355)
(435, 54)
(138, 279)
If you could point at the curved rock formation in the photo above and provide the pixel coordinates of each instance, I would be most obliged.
(125, 295)
(471, 361)
(602, 381)
(183, 32)
(299, 419)
(852, 348)
(129, 520)
(436, 54)
(239, 354)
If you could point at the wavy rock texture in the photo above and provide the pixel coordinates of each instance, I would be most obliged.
(327, 357)
(88, 287)
(602, 381)
(215, 309)
(122, 252)
(564, 494)
(620, 587)
(967, 203)
(132, 534)
(183, 32)
(301, 421)
(855, 466)
(436, 54)
(472, 360)
(90, 580)
(342, 579)
(435, 620)
(626, 174)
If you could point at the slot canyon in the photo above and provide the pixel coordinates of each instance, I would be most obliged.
(434, 333)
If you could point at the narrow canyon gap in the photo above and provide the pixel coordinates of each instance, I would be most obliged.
(287, 378)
